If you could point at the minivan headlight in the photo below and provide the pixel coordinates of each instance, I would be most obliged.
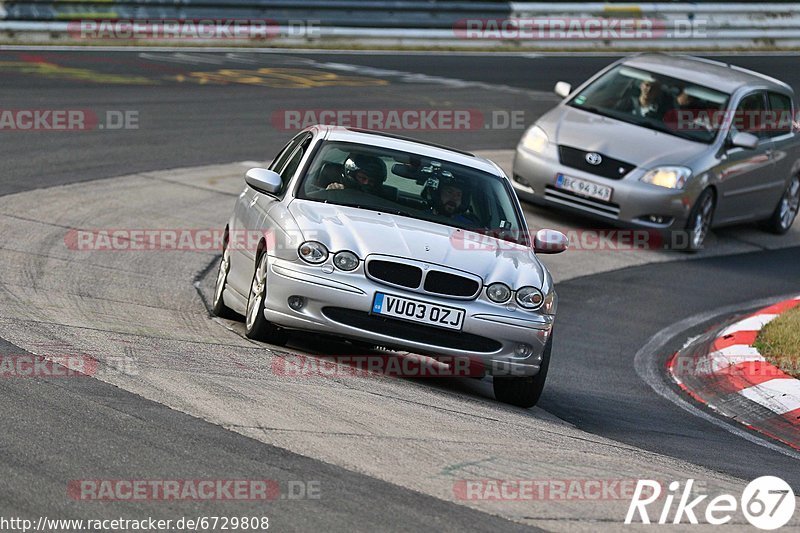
(669, 177)
(535, 140)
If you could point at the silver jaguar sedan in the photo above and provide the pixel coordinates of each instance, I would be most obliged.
(395, 243)
(672, 143)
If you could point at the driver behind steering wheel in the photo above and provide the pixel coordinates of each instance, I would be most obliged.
(361, 172)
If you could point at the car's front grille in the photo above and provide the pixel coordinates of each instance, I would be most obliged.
(608, 167)
(450, 285)
(590, 205)
(409, 331)
(423, 278)
(395, 273)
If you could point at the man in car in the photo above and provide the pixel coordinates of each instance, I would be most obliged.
(652, 101)
(452, 198)
(361, 172)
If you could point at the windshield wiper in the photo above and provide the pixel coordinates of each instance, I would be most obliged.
(595, 110)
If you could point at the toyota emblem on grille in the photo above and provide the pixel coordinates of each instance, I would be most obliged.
(593, 158)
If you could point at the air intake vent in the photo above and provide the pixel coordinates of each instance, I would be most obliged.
(450, 285)
(395, 273)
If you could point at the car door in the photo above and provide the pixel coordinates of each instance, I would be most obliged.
(786, 147)
(744, 173)
(246, 221)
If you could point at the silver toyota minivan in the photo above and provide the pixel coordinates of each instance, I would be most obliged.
(670, 143)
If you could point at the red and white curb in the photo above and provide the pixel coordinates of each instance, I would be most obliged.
(723, 370)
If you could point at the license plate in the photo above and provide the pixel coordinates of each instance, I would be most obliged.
(418, 311)
(584, 187)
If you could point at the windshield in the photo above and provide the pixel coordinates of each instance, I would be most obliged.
(655, 101)
(411, 185)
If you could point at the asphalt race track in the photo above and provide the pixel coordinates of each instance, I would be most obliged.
(386, 452)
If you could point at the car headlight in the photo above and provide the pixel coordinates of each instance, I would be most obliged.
(498, 292)
(345, 260)
(313, 252)
(669, 177)
(535, 140)
(530, 298)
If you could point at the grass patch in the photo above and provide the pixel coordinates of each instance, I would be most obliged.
(779, 342)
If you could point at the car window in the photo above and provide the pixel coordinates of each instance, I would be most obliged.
(655, 101)
(412, 185)
(749, 115)
(286, 151)
(289, 169)
(780, 115)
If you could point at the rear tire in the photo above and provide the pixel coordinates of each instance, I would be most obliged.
(786, 211)
(257, 327)
(525, 391)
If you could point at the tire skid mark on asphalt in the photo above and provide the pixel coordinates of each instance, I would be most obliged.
(187, 361)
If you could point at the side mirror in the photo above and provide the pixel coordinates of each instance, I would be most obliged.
(744, 140)
(264, 180)
(550, 241)
(563, 89)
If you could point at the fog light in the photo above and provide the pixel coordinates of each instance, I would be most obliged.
(656, 219)
(523, 350)
(522, 181)
(296, 302)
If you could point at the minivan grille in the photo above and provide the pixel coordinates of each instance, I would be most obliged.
(590, 205)
(608, 168)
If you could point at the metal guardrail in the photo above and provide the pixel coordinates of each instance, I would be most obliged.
(340, 13)
(710, 25)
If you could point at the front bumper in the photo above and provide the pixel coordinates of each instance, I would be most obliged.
(632, 202)
(339, 303)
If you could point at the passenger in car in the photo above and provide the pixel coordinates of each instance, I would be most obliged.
(684, 100)
(451, 198)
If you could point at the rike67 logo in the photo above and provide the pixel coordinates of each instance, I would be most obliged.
(767, 503)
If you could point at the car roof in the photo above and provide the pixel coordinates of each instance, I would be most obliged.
(396, 142)
(706, 72)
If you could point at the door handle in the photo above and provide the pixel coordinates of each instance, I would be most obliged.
(254, 200)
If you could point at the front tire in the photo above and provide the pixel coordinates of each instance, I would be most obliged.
(257, 327)
(786, 211)
(218, 306)
(700, 218)
(525, 391)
